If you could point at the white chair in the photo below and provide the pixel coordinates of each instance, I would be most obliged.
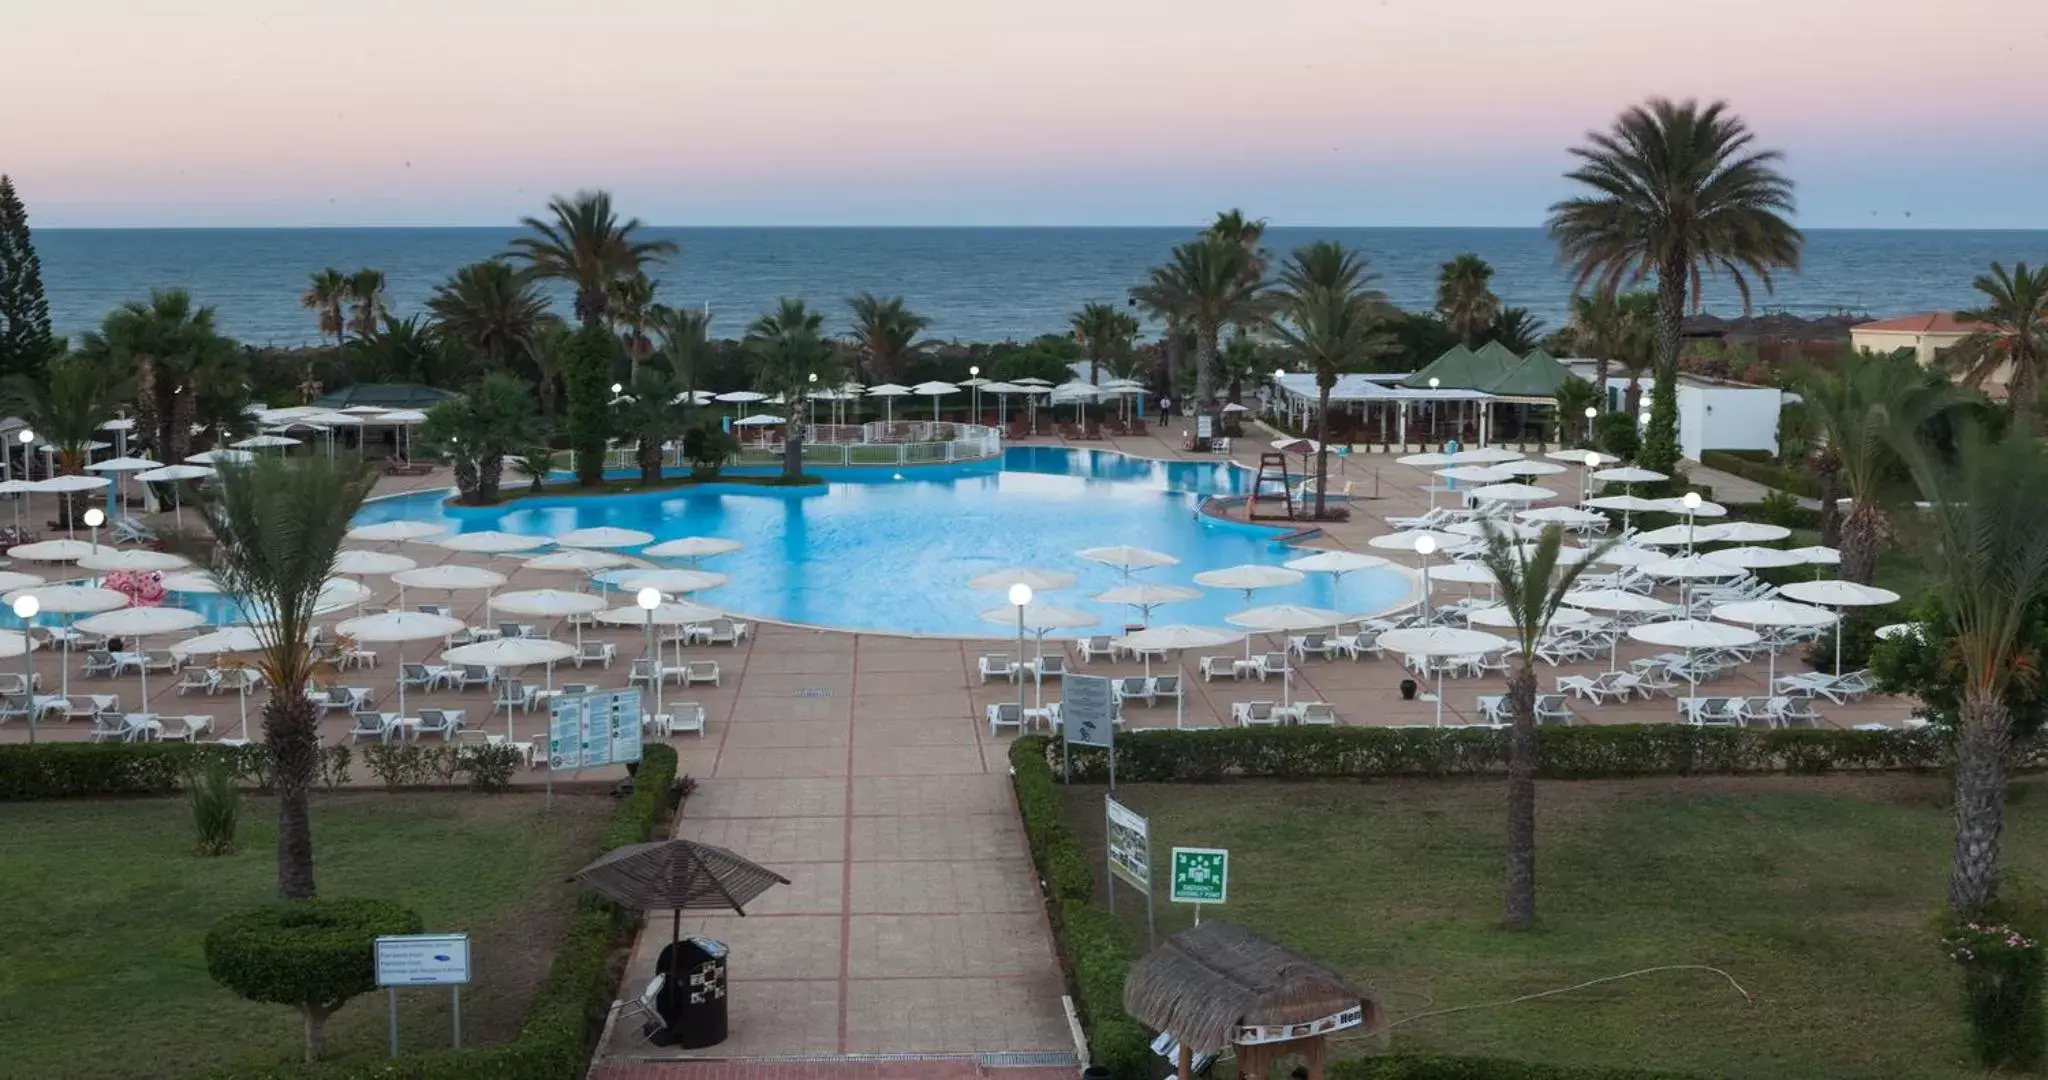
(1272, 663)
(1553, 708)
(1165, 686)
(641, 671)
(188, 729)
(724, 632)
(472, 676)
(688, 716)
(1304, 644)
(1004, 714)
(1132, 688)
(437, 722)
(513, 694)
(1049, 666)
(1099, 646)
(1317, 713)
(997, 666)
(98, 662)
(1254, 713)
(1493, 709)
(416, 676)
(1363, 643)
(697, 671)
(369, 724)
(162, 661)
(644, 1010)
(1213, 667)
(597, 652)
(203, 679)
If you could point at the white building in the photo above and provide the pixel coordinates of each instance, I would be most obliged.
(1712, 415)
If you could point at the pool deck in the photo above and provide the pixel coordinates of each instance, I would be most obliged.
(860, 766)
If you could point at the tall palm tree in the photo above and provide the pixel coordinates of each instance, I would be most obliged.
(366, 301)
(587, 245)
(1601, 324)
(789, 348)
(276, 524)
(1864, 410)
(1324, 264)
(492, 420)
(685, 341)
(1332, 330)
(1464, 297)
(1232, 226)
(164, 349)
(1989, 560)
(1531, 584)
(65, 409)
(1516, 329)
(489, 307)
(2014, 338)
(632, 313)
(326, 294)
(653, 412)
(549, 352)
(885, 332)
(1208, 284)
(1103, 331)
(1677, 191)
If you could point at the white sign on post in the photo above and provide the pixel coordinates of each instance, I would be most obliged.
(1130, 844)
(588, 731)
(1087, 710)
(423, 960)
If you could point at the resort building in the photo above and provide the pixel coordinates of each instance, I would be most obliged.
(1929, 334)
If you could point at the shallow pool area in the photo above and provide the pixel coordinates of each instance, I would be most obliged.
(892, 551)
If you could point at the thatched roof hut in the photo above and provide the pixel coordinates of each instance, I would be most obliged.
(1220, 985)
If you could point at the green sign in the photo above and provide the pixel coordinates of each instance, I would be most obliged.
(1200, 875)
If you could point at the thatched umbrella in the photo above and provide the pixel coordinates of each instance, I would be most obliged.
(1220, 985)
(678, 875)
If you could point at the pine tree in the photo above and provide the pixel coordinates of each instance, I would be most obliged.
(25, 342)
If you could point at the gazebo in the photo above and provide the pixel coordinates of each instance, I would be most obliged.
(1219, 985)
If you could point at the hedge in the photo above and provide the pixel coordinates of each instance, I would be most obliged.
(84, 770)
(1763, 468)
(1098, 949)
(566, 1013)
(1563, 753)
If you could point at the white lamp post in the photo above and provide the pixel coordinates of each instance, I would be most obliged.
(1692, 506)
(649, 599)
(1425, 546)
(1020, 595)
(94, 518)
(1591, 412)
(974, 376)
(25, 608)
(1586, 478)
(28, 439)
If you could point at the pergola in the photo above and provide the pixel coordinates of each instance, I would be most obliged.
(1219, 985)
(1298, 396)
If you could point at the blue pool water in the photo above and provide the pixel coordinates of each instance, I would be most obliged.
(874, 552)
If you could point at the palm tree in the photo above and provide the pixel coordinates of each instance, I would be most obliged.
(1208, 284)
(1600, 326)
(1323, 265)
(325, 295)
(1103, 331)
(1332, 330)
(164, 349)
(65, 409)
(2013, 338)
(1678, 192)
(588, 246)
(276, 525)
(492, 420)
(550, 349)
(1531, 584)
(1464, 297)
(1516, 329)
(489, 307)
(632, 312)
(409, 350)
(1232, 226)
(1864, 410)
(654, 412)
(1989, 561)
(885, 332)
(791, 357)
(366, 301)
(685, 341)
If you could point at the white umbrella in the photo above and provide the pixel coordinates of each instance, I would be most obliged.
(1627, 504)
(1530, 468)
(1032, 380)
(1501, 616)
(1691, 568)
(1838, 595)
(491, 542)
(15, 581)
(1704, 509)
(934, 390)
(1127, 558)
(758, 420)
(198, 581)
(605, 536)
(511, 652)
(384, 531)
(1566, 555)
(139, 560)
(669, 613)
(1284, 618)
(69, 600)
(357, 561)
(1620, 602)
(1248, 577)
(1039, 580)
(741, 396)
(123, 465)
(1519, 493)
(692, 547)
(1819, 556)
(1560, 515)
(1755, 558)
(1234, 407)
(265, 442)
(335, 593)
(1476, 474)
(583, 559)
(1773, 613)
(216, 457)
(1481, 528)
(1628, 555)
(171, 474)
(72, 482)
(1900, 629)
(549, 604)
(1145, 596)
(1469, 572)
(888, 392)
(1630, 474)
(1336, 563)
(396, 628)
(1675, 535)
(663, 581)
(52, 551)
(1173, 639)
(1426, 461)
(1690, 634)
(448, 577)
(233, 639)
(1440, 641)
(1406, 538)
(1749, 532)
(138, 623)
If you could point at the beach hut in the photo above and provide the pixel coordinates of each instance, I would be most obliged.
(1219, 985)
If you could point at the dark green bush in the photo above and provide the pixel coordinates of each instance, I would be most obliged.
(1762, 467)
(313, 955)
(82, 770)
(216, 806)
(2002, 993)
(1615, 433)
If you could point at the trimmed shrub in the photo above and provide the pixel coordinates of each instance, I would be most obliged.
(1760, 466)
(587, 379)
(2002, 993)
(83, 770)
(313, 955)
(1615, 433)
(216, 806)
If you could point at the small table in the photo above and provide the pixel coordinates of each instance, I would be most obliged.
(142, 725)
(1241, 668)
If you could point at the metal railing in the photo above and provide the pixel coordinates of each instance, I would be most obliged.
(883, 444)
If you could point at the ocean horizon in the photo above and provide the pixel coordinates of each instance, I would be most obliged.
(975, 283)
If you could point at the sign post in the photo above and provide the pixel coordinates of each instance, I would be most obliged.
(588, 731)
(1130, 856)
(1087, 718)
(423, 960)
(1201, 876)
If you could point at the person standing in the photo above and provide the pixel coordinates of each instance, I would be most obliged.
(1166, 408)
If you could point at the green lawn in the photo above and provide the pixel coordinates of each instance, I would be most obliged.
(102, 970)
(1820, 896)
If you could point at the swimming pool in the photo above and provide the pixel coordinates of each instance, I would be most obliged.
(878, 550)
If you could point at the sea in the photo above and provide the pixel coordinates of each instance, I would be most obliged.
(975, 284)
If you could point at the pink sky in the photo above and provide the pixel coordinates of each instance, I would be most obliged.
(1339, 112)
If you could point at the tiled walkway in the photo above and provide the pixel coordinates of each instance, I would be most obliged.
(912, 924)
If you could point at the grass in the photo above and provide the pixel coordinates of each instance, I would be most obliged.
(1821, 896)
(102, 969)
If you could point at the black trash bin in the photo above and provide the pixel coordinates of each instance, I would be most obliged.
(692, 1000)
